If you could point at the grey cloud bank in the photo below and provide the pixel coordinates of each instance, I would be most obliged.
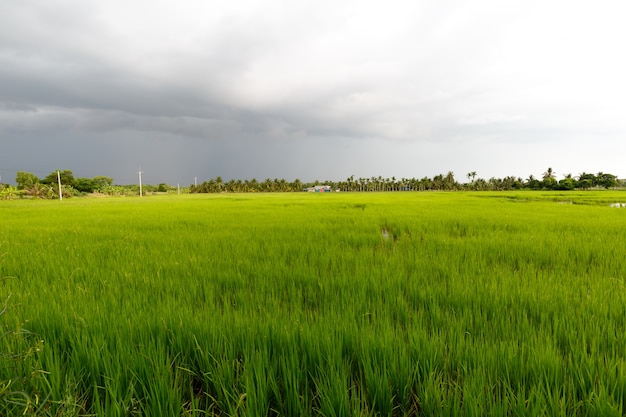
(311, 90)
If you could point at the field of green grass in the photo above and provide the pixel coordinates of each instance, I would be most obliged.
(363, 304)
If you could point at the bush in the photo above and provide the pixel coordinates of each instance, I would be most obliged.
(9, 192)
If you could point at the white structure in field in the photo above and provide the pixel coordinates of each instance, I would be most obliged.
(319, 189)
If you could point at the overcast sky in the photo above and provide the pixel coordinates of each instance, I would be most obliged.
(311, 89)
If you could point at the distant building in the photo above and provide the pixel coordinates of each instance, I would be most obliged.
(319, 189)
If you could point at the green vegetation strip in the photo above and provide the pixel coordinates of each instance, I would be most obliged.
(337, 304)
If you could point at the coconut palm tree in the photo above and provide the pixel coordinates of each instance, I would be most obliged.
(449, 182)
(549, 174)
(549, 179)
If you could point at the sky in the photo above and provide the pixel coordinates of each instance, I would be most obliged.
(311, 89)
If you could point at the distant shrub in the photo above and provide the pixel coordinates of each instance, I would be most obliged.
(9, 192)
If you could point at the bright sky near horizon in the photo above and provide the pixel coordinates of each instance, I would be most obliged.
(311, 89)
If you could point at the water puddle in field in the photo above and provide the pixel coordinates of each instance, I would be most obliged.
(618, 205)
(387, 234)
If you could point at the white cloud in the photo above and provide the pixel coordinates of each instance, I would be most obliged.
(491, 118)
(400, 74)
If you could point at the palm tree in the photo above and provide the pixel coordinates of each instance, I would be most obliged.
(350, 182)
(533, 183)
(230, 186)
(495, 184)
(219, 183)
(283, 184)
(449, 181)
(549, 179)
(480, 184)
(549, 174)
(437, 182)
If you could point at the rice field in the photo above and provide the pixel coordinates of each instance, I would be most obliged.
(364, 304)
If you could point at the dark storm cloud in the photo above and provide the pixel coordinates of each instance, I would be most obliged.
(404, 88)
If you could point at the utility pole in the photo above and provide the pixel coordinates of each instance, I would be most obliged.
(195, 181)
(178, 185)
(60, 191)
(140, 187)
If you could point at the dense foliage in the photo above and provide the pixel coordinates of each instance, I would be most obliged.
(343, 304)
(29, 185)
(584, 181)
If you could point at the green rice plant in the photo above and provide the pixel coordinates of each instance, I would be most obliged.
(333, 388)
(18, 366)
(340, 304)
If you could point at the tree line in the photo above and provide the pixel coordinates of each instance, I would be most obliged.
(29, 185)
(441, 182)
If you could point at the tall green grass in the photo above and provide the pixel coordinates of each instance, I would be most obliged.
(383, 304)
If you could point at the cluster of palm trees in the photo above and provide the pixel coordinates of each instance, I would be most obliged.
(548, 181)
(218, 185)
(442, 182)
(438, 182)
